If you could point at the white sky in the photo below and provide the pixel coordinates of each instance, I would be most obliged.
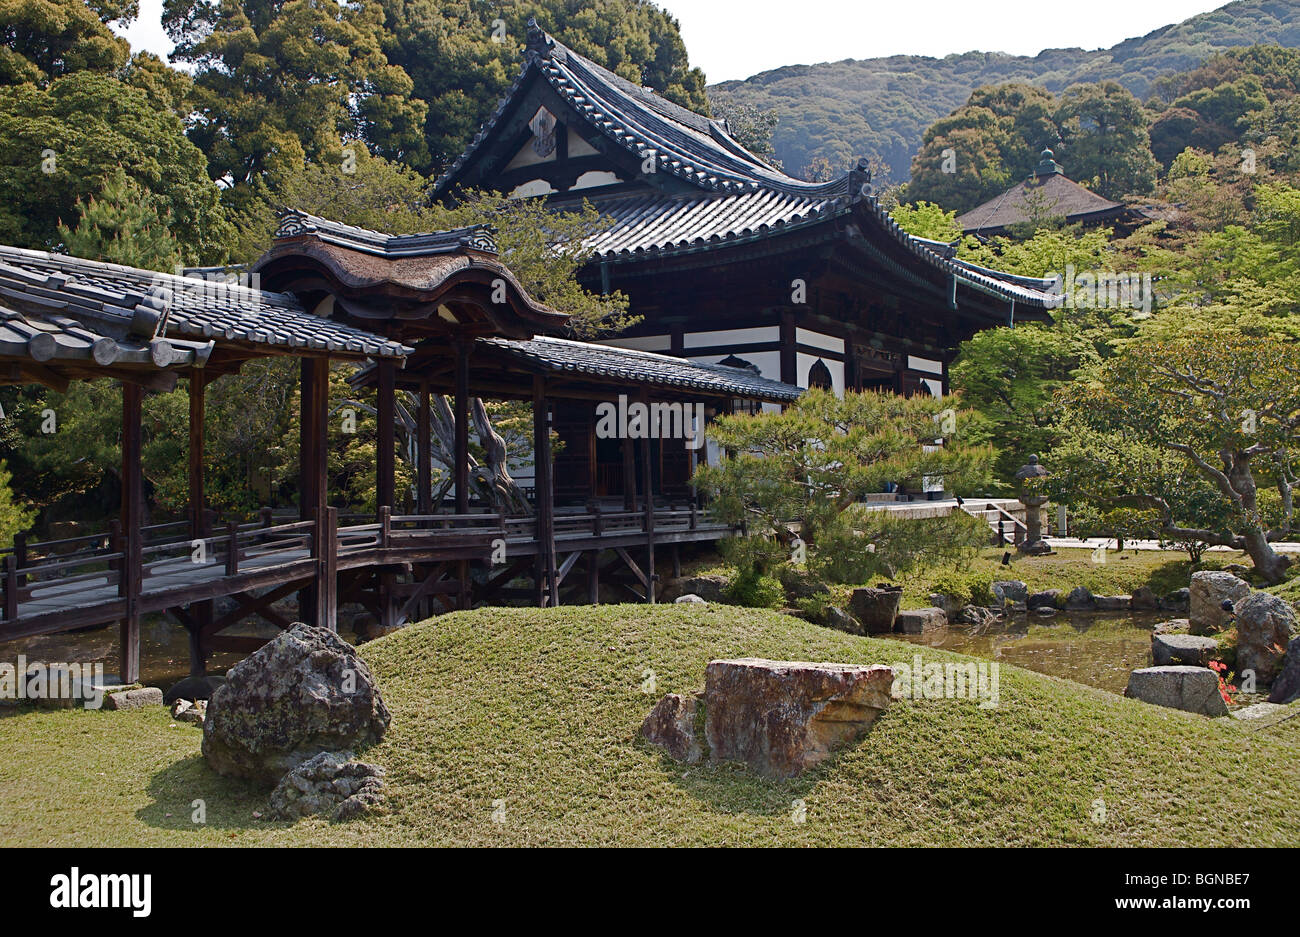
(739, 38)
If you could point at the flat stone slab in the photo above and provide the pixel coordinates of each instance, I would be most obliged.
(783, 717)
(689, 598)
(134, 699)
(1189, 649)
(1258, 711)
(920, 620)
(1173, 626)
(1191, 689)
(1114, 603)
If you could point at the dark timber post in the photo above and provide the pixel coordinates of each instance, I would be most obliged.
(201, 612)
(132, 514)
(385, 456)
(629, 476)
(648, 485)
(462, 427)
(314, 404)
(424, 449)
(789, 348)
(326, 548)
(545, 494)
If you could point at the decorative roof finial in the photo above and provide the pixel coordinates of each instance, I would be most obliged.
(1047, 165)
(539, 43)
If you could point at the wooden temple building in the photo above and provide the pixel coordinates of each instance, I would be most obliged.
(751, 285)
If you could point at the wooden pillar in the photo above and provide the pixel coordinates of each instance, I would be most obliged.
(385, 447)
(200, 612)
(944, 386)
(132, 517)
(629, 475)
(789, 352)
(593, 577)
(545, 489)
(462, 427)
(648, 485)
(312, 419)
(424, 449)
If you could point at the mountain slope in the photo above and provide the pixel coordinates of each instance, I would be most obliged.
(882, 106)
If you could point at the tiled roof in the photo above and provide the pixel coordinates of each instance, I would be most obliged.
(1056, 195)
(294, 223)
(136, 305)
(740, 197)
(644, 367)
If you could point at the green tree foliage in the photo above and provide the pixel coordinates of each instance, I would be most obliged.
(1106, 139)
(122, 227)
(15, 516)
(820, 458)
(41, 40)
(279, 83)
(1224, 406)
(751, 127)
(63, 143)
(462, 55)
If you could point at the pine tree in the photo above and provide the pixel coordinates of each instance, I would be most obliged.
(122, 227)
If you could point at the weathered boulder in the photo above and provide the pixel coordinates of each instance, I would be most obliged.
(330, 784)
(1046, 611)
(920, 620)
(709, 588)
(1010, 593)
(1190, 649)
(876, 607)
(835, 617)
(671, 726)
(1191, 689)
(134, 699)
(1173, 626)
(193, 688)
(1080, 599)
(303, 693)
(1286, 687)
(1209, 589)
(1144, 599)
(1048, 598)
(689, 598)
(1179, 600)
(782, 717)
(1257, 711)
(1113, 603)
(1265, 624)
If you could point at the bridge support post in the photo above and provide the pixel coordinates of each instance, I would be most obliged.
(132, 515)
(201, 612)
(424, 450)
(545, 489)
(385, 447)
(314, 406)
(647, 482)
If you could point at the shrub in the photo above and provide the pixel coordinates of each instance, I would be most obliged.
(753, 589)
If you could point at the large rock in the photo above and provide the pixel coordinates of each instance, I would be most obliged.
(135, 699)
(1180, 600)
(782, 717)
(330, 784)
(1080, 599)
(1113, 603)
(1173, 626)
(193, 689)
(1010, 593)
(671, 726)
(876, 607)
(1048, 598)
(976, 615)
(1287, 685)
(835, 617)
(689, 598)
(1144, 599)
(1265, 624)
(1189, 649)
(1191, 689)
(709, 588)
(1209, 590)
(303, 693)
(951, 604)
(920, 621)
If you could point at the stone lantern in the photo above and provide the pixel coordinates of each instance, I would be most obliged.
(1033, 502)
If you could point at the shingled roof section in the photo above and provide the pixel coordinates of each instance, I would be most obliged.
(294, 223)
(740, 197)
(1046, 191)
(643, 367)
(131, 305)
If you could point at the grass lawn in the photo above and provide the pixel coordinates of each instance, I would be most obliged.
(539, 711)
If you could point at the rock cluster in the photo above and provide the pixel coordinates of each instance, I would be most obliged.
(778, 717)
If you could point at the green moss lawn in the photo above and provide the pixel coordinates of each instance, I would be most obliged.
(539, 712)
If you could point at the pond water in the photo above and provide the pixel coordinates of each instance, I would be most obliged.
(164, 650)
(1096, 648)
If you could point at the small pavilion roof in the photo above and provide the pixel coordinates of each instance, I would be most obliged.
(1047, 190)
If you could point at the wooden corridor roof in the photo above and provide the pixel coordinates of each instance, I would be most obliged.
(64, 317)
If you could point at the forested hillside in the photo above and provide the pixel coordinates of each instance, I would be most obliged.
(839, 111)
